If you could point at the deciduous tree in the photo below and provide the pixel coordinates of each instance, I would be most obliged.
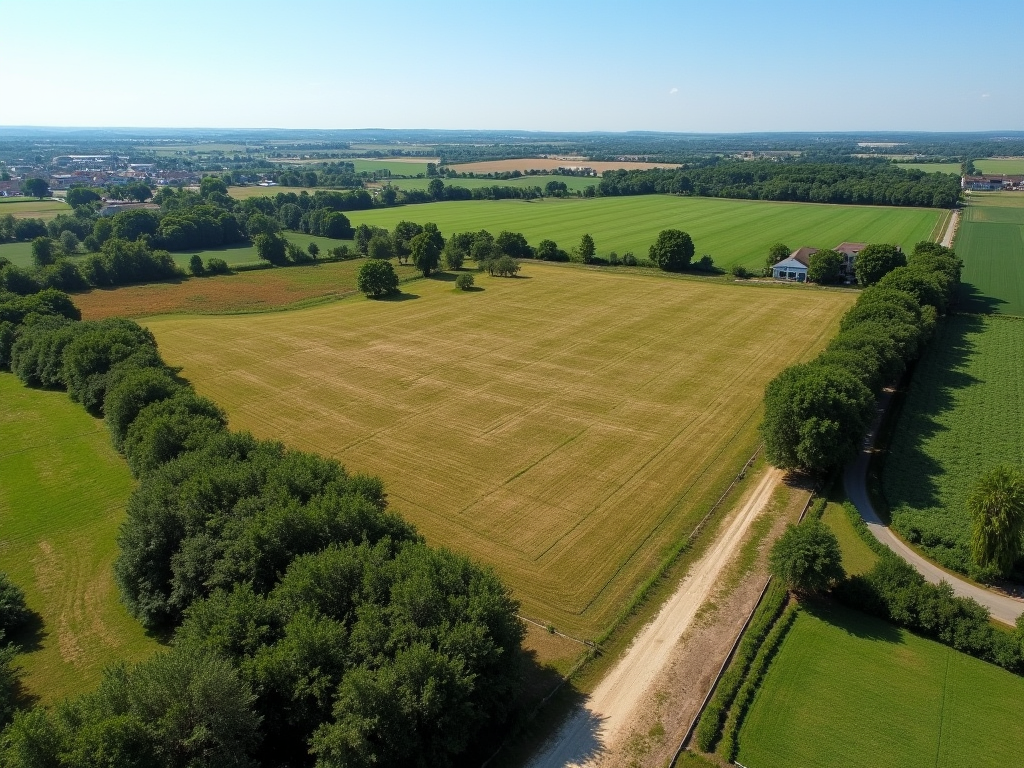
(996, 506)
(876, 261)
(672, 250)
(807, 558)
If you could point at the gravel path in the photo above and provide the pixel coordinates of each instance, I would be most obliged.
(598, 725)
(954, 221)
(1002, 607)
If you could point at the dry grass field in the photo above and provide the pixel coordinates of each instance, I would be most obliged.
(566, 427)
(546, 164)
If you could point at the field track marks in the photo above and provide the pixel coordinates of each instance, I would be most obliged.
(599, 724)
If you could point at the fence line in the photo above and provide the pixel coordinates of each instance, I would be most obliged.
(732, 652)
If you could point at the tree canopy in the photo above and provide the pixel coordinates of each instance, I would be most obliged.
(996, 506)
(672, 251)
(876, 261)
(807, 558)
(377, 278)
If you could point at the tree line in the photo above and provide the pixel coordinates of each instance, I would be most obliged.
(817, 413)
(846, 183)
(311, 624)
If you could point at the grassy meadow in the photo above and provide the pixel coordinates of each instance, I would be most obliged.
(574, 183)
(991, 243)
(566, 427)
(396, 167)
(1008, 165)
(850, 690)
(62, 496)
(732, 231)
(30, 208)
(241, 193)
(858, 558)
(962, 417)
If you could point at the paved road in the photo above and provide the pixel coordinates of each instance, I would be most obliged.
(1002, 607)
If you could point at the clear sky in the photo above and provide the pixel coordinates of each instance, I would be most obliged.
(707, 65)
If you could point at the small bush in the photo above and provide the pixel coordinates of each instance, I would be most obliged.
(195, 265)
(464, 281)
(628, 259)
(217, 267)
(740, 272)
(13, 613)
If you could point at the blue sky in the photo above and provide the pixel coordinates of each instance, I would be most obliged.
(716, 65)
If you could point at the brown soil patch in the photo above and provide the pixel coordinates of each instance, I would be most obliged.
(549, 164)
(256, 291)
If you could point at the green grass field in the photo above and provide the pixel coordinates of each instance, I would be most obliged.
(241, 193)
(397, 167)
(962, 417)
(566, 427)
(858, 558)
(991, 243)
(931, 167)
(21, 208)
(850, 691)
(62, 496)
(1010, 165)
(574, 183)
(732, 231)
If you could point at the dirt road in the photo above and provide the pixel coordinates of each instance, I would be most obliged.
(597, 726)
(947, 238)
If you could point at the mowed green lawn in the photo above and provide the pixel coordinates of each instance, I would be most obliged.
(732, 231)
(850, 691)
(22, 208)
(962, 417)
(1007, 165)
(574, 183)
(566, 427)
(62, 495)
(991, 243)
(397, 167)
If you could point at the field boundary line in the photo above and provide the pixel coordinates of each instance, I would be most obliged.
(551, 628)
(732, 653)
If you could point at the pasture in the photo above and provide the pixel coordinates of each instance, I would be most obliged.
(241, 193)
(931, 167)
(254, 291)
(396, 166)
(962, 417)
(30, 208)
(1007, 165)
(574, 183)
(850, 690)
(62, 498)
(550, 163)
(991, 243)
(732, 231)
(567, 427)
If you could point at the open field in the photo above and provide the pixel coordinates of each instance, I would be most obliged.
(991, 243)
(397, 166)
(30, 208)
(548, 164)
(850, 690)
(574, 183)
(256, 291)
(962, 417)
(1008, 165)
(62, 496)
(241, 193)
(567, 427)
(931, 167)
(732, 231)
(19, 254)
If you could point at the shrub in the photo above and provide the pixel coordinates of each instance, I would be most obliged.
(672, 251)
(628, 259)
(740, 272)
(807, 558)
(464, 281)
(13, 611)
(216, 266)
(195, 265)
(377, 277)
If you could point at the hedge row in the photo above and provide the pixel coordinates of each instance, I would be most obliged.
(817, 413)
(710, 726)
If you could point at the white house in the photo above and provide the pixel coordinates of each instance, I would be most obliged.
(794, 266)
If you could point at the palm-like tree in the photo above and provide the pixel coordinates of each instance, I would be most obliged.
(997, 508)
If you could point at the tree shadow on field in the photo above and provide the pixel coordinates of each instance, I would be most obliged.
(973, 300)
(910, 475)
(443, 277)
(853, 622)
(398, 297)
(471, 289)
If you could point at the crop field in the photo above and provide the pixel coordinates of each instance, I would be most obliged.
(256, 291)
(241, 193)
(962, 417)
(548, 164)
(732, 231)
(931, 167)
(1008, 165)
(29, 208)
(991, 243)
(62, 496)
(850, 690)
(566, 427)
(574, 183)
(398, 167)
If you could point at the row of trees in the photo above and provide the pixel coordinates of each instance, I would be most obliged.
(849, 183)
(311, 624)
(817, 413)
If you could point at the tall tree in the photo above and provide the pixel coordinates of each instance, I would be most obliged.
(672, 250)
(35, 188)
(996, 507)
(824, 267)
(807, 558)
(776, 253)
(376, 278)
(876, 261)
(587, 250)
(426, 255)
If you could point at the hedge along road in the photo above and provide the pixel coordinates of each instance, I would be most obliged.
(600, 724)
(1002, 607)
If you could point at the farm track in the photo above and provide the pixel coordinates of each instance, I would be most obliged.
(598, 726)
(1002, 607)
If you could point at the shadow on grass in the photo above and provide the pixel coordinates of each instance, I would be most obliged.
(443, 277)
(471, 289)
(974, 301)
(393, 297)
(853, 622)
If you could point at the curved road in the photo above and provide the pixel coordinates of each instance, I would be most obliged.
(1002, 607)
